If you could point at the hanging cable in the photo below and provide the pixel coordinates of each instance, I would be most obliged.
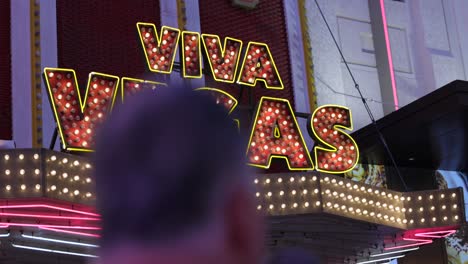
(369, 112)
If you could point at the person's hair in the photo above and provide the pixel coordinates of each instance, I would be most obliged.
(160, 158)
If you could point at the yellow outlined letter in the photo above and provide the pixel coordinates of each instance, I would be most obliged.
(159, 50)
(258, 65)
(274, 114)
(341, 153)
(223, 60)
(77, 119)
(191, 57)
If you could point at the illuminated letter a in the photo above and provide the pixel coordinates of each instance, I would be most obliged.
(275, 133)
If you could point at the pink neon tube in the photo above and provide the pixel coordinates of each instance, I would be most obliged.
(431, 234)
(419, 242)
(51, 216)
(6, 225)
(389, 54)
(69, 232)
(48, 206)
(422, 241)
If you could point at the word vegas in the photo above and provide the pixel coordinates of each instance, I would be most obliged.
(274, 131)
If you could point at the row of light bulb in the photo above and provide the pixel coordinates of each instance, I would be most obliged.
(293, 192)
(293, 205)
(20, 156)
(65, 176)
(22, 172)
(52, 158)
(65, 161)
(52, 188)
(280, 180)
(380, 215)
(364, 189)
(65, 190)
(22, 187)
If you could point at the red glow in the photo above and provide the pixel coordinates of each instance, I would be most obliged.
(69, 232)
(389, 53)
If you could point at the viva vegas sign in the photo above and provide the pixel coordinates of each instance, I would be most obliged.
(274, 131)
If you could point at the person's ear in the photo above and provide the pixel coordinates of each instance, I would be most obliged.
(244, 227)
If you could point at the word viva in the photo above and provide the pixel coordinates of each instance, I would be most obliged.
(275, 132)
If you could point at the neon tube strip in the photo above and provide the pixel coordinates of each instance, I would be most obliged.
(48, 206)
(69, 232)
(419, 242)
(51, 226)
(52, 217)
(59, 241)
(422, 241)
(430, 234)
(377, 260)
(5, 235)
(54, 251)
(389, 53)
(393, 252)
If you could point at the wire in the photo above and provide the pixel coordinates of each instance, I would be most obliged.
(369, 112)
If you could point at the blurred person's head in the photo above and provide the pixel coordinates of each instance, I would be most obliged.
(172, 183)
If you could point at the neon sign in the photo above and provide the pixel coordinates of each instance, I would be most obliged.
(275, 132)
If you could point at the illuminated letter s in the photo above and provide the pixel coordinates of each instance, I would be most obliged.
(341, 153)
